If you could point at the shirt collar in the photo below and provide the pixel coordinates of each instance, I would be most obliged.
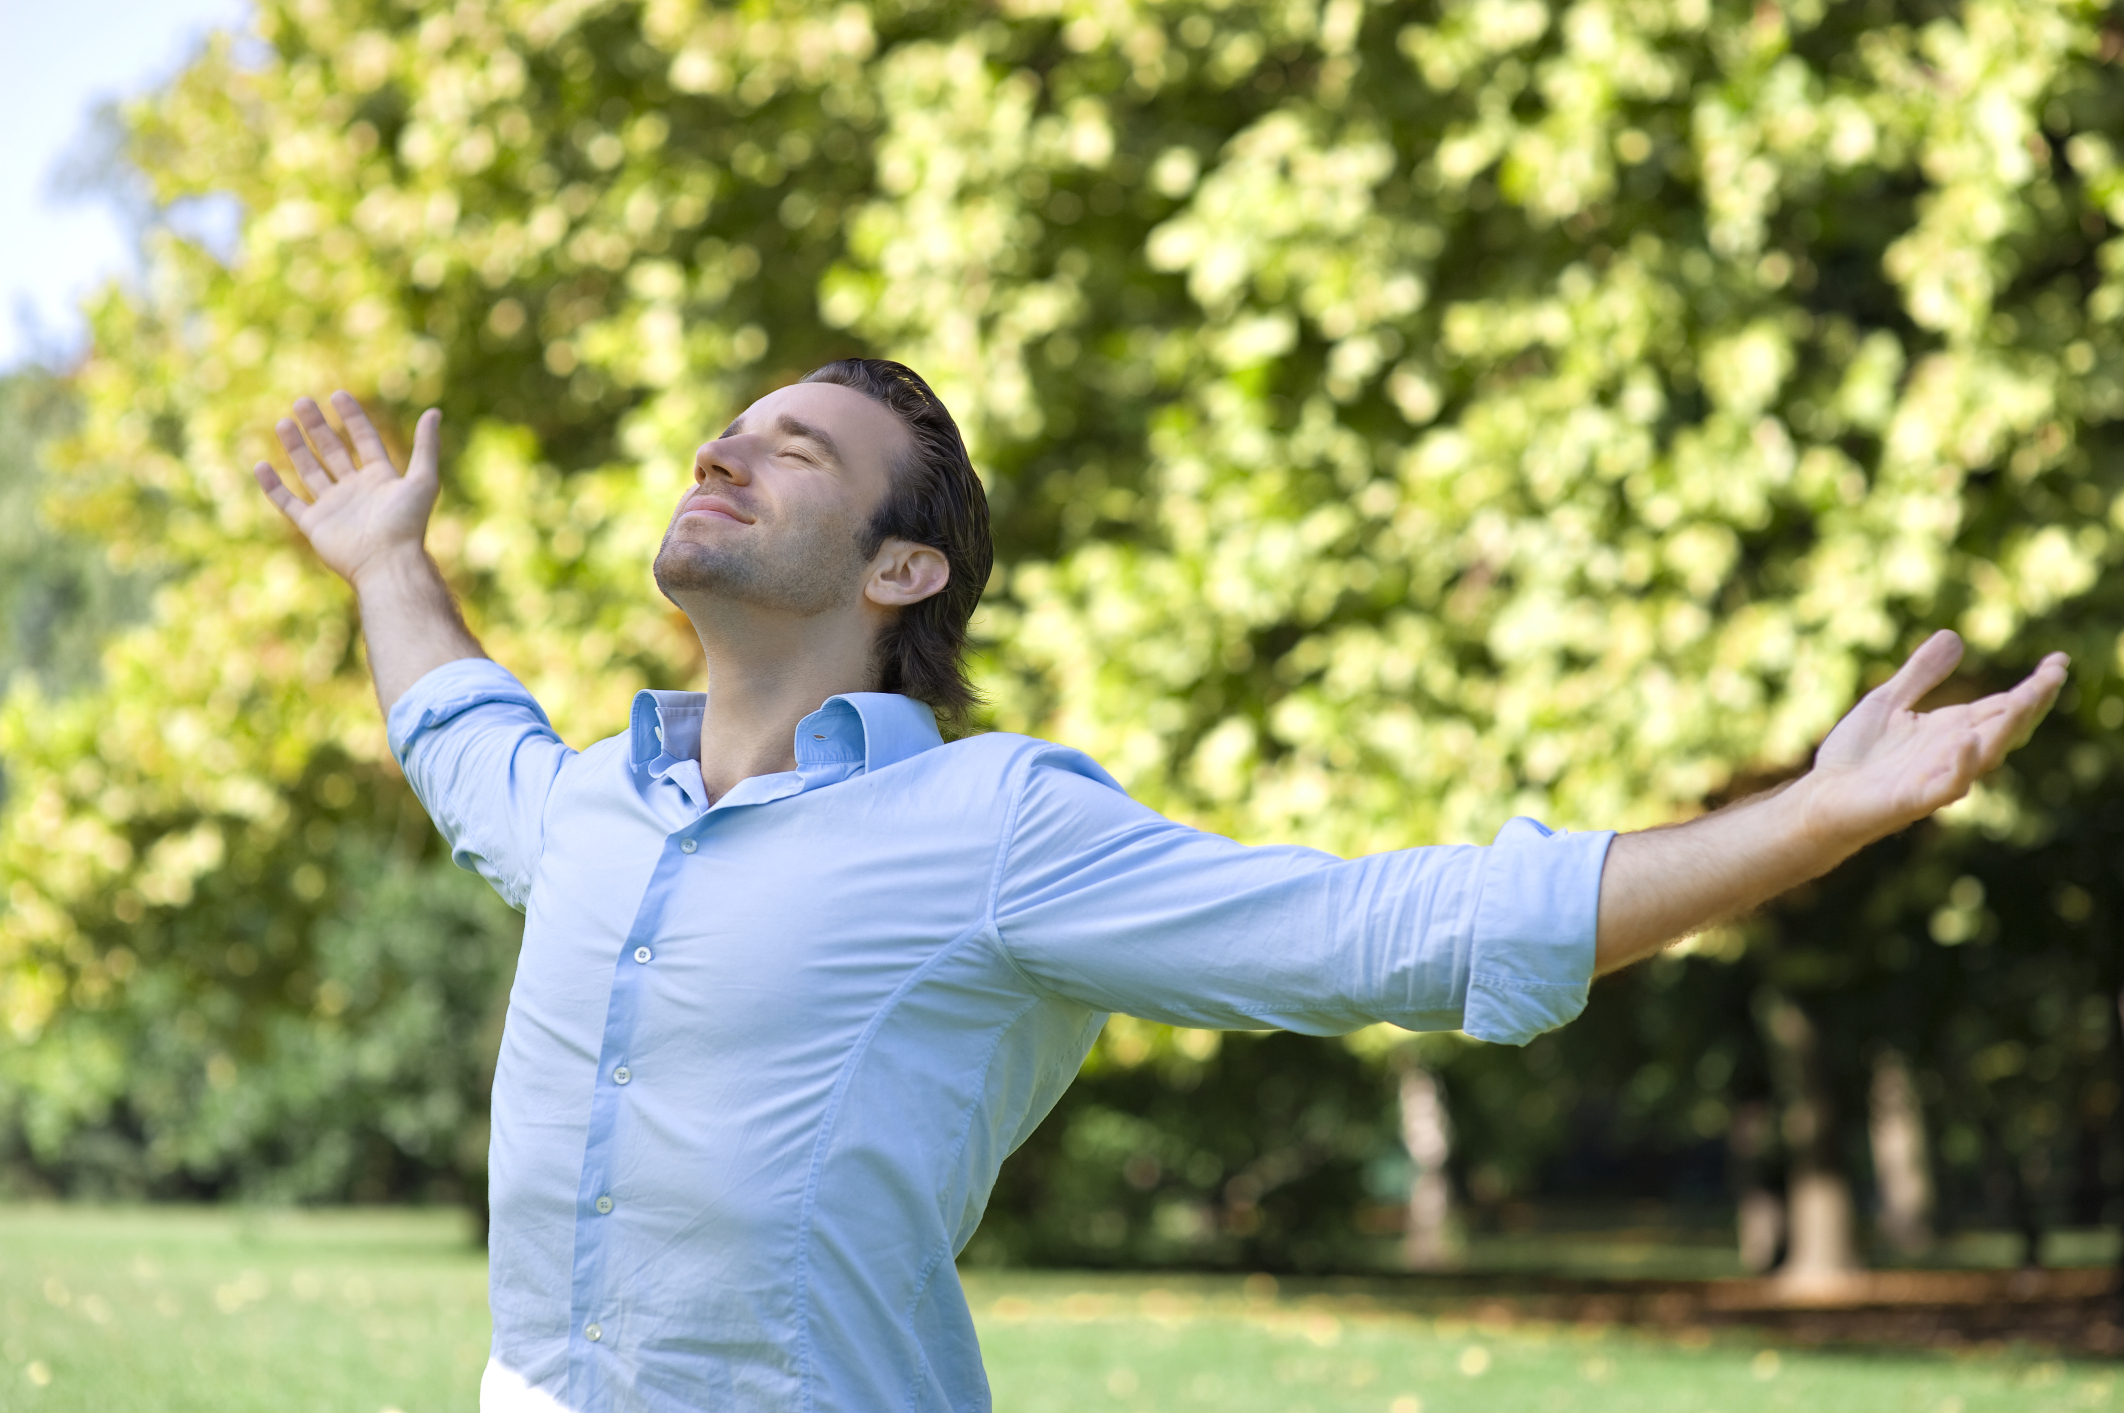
(867, 729)
(856, 731)
(666, 724)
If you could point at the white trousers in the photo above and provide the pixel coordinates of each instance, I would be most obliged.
(503, 1390)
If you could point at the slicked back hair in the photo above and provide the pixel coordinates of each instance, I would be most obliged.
(934, 499)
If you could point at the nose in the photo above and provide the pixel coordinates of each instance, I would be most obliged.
(722, 460)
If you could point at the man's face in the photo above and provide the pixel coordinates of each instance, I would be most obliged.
(780, 504)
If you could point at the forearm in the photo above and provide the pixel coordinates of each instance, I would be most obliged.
(1663, 884)
(409, 621)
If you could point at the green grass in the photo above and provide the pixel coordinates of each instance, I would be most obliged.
(232, 1311)
(1057, 1342)
(228, 1310)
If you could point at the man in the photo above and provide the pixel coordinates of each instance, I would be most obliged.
(797, 975)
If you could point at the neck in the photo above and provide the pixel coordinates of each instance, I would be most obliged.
(766, 672)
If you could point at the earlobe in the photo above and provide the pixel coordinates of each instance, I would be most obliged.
(906, 573)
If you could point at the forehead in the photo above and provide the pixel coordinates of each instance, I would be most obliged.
(858, 424)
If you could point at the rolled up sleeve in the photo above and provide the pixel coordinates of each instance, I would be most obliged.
(1111, 904)
(1531, 947)
(482, 757)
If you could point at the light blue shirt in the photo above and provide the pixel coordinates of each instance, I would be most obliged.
(763, 1058)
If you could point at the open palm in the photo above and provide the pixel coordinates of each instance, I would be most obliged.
(1887, 764)
(360, 510)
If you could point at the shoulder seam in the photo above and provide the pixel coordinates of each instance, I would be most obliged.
(1021, 766)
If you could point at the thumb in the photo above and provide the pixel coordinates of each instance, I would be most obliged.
(425, 463)
(1930, 665)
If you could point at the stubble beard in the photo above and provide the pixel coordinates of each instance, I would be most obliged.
(816, 573)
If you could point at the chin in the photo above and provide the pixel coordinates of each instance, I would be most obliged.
(684, 566)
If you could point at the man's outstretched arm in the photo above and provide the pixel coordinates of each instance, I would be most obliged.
(368, 524)
(1884, 767)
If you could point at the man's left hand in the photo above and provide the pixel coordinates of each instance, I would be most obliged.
(1885, 766)
(1888, 765)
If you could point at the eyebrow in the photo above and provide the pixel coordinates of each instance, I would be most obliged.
(790, 426)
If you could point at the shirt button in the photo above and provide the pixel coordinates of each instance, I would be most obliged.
(687, 846)
(593, 1333)
(622, 1075)
(604, 1205)
(643, 954)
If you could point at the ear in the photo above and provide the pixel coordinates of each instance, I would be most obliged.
(905, 573)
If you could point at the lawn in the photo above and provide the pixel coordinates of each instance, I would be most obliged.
(234, 1310)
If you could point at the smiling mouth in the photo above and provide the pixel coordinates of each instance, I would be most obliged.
(713, 509)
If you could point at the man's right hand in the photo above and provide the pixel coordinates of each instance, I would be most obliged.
(361, 513)
(367, 524)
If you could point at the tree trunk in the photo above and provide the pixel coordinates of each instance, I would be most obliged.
(2028, 1213)
(2116, 1115)
(1821, 1249)
(1759, 1211)
(1901, 1161)
(1427, 1134)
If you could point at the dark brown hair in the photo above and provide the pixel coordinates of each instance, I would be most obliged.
(935, 499)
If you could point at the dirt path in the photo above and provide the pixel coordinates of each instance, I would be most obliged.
(2072, 1311)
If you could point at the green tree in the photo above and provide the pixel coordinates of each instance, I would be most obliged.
(1397, 414)
(58, 595)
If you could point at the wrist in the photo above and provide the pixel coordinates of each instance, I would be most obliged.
(1821, 828)
(394, 565)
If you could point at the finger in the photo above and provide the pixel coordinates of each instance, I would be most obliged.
(276, 490)
(2043, 686)
(2010, 729)
(307, 466)
(1923, 670)
(2050, 675)
(1970, 761)
(2034, 692)
(1983, 709)
(1998, 737)
(367, 445)
(330, 448)
(425, 463)
(1947, 778)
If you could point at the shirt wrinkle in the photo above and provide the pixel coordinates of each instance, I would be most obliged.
(823, 1141)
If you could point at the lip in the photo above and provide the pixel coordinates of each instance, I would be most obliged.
(708, 507)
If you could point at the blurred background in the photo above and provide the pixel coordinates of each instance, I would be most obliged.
(1398, 415)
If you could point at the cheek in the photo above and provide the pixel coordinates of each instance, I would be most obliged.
(826, 512)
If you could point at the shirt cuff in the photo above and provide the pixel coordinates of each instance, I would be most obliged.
(451, 690)
(1536, 917)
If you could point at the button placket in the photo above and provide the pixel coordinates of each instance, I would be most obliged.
(589, 1286)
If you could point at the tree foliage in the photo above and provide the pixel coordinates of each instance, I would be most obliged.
(1398, 415)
